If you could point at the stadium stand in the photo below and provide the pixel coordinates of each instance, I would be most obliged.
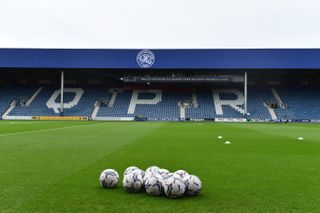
(119, 107)
(43, 104)
(256, 103)
(301, 104)
(205, 108)
(10, 94)
(166, 108)
(161, 104)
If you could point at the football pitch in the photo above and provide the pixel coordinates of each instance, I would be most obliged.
(55, 166)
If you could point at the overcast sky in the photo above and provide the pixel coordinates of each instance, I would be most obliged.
(160, 23)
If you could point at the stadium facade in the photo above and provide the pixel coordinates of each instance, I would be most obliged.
(114, 84)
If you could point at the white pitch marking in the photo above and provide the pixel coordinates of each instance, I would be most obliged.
(47, 130)
(23, 123)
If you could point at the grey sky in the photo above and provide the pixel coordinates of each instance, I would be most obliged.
(160, 23)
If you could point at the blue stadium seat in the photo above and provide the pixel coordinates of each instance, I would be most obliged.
(301, 103)
(9, 94)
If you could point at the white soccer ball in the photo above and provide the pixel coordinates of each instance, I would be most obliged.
(153, 185)
(133, 182)
(181, 173)
(174, 187)
(170, 174)
(164, 172)
(141, 172)
(227, 142)
(149, 174)
(129, 170)
(109, 178)
(193, 185)
(132, 169)
(146, 176)
(173, 175)
(152, 169)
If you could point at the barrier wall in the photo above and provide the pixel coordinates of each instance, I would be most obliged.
(113, 119)
(60, 118)
(230, 120)
(16, 117)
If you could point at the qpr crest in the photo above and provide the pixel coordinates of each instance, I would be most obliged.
(145, 58)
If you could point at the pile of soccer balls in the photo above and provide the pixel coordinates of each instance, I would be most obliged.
(154, 180)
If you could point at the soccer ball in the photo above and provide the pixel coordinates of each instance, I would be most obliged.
(109, 178)
(153, 184)
(133, 182)
(170, 174)
(193, 185)
(182, 173)
(129, 170)
(152, 169)
(149, 174)
(141, 172)
(132, 169)
(174, 187)
(174, 175)
(164, 172)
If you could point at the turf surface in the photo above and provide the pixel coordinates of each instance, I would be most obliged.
(54, 166)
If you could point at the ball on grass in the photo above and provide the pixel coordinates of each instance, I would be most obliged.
(174, 187)
(164, 172)
(133, 169)
(129, 170)
(193, 185)
(181, 173)
(153, 184)
(152, 169)
(133, 182)
(227, 142)
(109, 178)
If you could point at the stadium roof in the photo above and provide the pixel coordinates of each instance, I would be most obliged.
(161, 58)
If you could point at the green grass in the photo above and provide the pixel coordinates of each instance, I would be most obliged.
(54, 166)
